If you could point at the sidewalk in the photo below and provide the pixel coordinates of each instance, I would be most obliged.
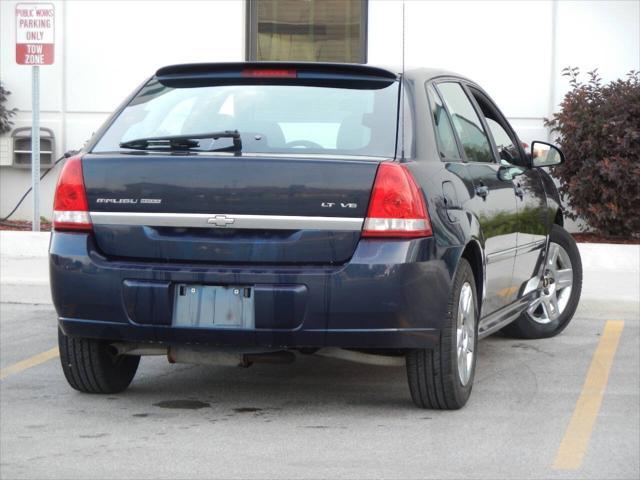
(611, 272)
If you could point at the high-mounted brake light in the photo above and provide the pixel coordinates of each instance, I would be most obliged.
(70, 207)
(269, 73)
(397, 207)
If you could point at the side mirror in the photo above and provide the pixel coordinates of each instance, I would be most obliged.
(544, 154)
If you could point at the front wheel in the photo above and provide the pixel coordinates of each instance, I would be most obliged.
(442, 377)
(558, 293)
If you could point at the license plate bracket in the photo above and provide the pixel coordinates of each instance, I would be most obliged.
(213, 306)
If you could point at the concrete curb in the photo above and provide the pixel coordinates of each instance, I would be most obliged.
(610, 257)
(26, 294)
(24, 244)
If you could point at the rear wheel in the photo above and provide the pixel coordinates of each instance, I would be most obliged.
(558, 293)
(442, 377)
(91, 366)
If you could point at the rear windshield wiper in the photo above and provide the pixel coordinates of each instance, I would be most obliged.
(186, 142)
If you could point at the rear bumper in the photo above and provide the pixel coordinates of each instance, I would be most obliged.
(391, 294)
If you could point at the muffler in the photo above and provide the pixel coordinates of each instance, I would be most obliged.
(225, 358)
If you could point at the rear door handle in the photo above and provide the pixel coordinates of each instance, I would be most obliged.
(482, 191)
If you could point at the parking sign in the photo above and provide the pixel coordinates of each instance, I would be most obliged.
(35, 34)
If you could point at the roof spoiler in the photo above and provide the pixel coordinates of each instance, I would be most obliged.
(337, 75)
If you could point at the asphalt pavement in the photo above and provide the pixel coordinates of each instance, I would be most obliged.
(326, 418)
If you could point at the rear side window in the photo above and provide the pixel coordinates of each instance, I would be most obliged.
(444, 131)
(466, 123)
(503, 136)
(504, 143)
(270, 118)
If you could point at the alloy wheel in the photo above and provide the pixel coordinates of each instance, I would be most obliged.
(555, 287)
(465, 333)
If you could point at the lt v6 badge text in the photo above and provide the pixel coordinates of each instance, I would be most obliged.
(342, 205)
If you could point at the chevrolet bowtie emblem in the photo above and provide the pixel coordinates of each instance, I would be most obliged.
(220, 221)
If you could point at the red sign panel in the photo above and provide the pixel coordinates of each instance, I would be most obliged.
(35, 33)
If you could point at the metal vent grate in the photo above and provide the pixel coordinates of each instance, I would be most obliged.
(22, 147)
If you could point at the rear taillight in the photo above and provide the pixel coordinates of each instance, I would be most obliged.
(70, 207)
(397, 207)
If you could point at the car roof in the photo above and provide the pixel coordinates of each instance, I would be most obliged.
(426, 73)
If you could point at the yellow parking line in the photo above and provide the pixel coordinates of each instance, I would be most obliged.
(29, 362)
(578, 433)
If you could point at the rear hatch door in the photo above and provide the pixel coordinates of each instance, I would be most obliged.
(297, 189)
(217, 209)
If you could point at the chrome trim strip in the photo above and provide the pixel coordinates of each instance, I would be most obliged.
(500, 318)
(203, 220)
(501, 255)
(531, 247)
(519, 250)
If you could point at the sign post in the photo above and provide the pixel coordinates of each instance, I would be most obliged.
(35, 146)
(35, 38)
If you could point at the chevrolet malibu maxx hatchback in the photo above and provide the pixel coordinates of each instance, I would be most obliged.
(235, 213)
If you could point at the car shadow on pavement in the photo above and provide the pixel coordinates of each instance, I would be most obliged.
(309, 383)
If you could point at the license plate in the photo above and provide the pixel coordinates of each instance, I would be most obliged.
(210, 306)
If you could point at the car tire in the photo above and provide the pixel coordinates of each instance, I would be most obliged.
(90, 366)
(436, 377)
(535, 324)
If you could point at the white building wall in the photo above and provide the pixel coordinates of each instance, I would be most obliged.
(597, 34)
(515, 50)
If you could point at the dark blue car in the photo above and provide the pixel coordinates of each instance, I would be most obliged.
(253, 212)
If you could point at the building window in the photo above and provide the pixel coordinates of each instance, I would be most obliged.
(307, 30)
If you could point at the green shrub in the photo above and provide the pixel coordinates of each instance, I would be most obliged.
(598, 129)
(5, 114)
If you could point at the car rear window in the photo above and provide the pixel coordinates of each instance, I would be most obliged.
(270, 118)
